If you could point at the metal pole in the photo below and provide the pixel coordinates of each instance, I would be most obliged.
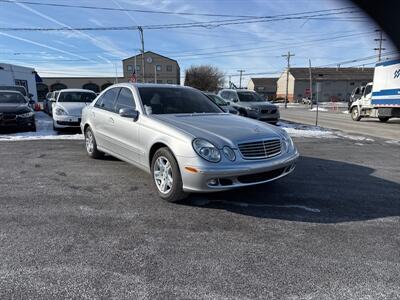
(143, 62)
(311, 91)
(316, 116)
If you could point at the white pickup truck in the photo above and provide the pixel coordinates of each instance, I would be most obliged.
(380, 98)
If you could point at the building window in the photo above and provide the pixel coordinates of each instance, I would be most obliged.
(169, 81)
(158, 68)
(351, 83)
(169, 68)
(151, 81)
(159, 81)
(137, 68)
(129, 68)
(260, 88)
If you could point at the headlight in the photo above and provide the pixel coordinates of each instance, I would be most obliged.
(252, 108)
(26, 115)
(60, 112)
(287, 143)
(229, 153)
(206, 150)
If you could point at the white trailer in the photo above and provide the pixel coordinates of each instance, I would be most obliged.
(380, 98)
(18, 75)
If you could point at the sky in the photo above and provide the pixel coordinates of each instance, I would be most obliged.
(255, 47)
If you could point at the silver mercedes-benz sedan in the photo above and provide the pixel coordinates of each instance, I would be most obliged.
(185, 141)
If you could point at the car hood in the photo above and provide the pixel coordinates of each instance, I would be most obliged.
(261, 105)
(220, 129)
(73, 108)
(14, 108)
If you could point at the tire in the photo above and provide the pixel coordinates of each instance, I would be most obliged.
(355, 114)
(242, 113)
(91, 145)
(167, 176)
(384, 119)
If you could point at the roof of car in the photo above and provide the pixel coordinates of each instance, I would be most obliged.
(237, 90)
(159, 85)
(11, 91)
(74, 90)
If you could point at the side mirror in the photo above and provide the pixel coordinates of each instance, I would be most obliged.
(30, 95)
(235, 100)
(129, 113)
(32, 101)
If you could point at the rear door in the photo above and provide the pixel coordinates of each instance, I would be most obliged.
(102, 116)
(125, 131)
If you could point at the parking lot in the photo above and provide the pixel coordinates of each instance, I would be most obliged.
(73, 227)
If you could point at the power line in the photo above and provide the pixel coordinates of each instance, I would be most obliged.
(161, 11)
(208, 24)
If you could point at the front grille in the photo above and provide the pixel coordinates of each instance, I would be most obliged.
(8, 117)
(260, 149)
(264, 111)
(273, 111)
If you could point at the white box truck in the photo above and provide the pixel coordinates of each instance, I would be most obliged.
(18, 75)
(380, 98)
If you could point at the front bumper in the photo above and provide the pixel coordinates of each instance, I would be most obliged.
(242, 174)
(265, 117)
(66, 121)
(11, 122)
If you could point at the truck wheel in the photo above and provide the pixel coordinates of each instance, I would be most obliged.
(355, 115)
(383, 119)
(166, 176)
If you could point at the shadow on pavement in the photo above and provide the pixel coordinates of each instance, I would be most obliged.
(320, 191)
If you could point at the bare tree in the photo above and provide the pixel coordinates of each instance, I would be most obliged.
(204, 78)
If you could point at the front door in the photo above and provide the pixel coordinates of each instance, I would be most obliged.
(125, 131)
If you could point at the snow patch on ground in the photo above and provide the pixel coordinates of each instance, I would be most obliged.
(393, 142)
(354, 137)
(300, 130)
(319, 109)
(44, 131)
(345, 112)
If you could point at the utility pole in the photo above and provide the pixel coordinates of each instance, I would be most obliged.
(380, 40)
(142, 41)
(288, 56)
(230, 81)
(311, 91)
(240, 78)
(155, 74)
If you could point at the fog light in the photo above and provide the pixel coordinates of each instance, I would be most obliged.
(213, 182)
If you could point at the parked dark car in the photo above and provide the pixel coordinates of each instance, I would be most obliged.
(15, 111)
(222, 103)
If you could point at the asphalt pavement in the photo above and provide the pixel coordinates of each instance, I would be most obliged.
(76, 228)
(341, 121)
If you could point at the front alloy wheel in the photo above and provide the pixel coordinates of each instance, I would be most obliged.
(166, 176)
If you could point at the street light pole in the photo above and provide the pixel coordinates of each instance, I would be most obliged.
(142, 41)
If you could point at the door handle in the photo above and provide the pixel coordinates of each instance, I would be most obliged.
(111, 120)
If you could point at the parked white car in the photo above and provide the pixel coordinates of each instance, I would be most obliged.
(67, 108)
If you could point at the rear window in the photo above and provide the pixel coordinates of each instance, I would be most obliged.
(250, 97)
(20, 89)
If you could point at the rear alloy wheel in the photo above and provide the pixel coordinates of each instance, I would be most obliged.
(384, 119)
(91, 146)
(166, 176)
(355, 114)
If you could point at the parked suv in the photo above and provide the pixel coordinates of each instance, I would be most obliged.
(250, 104)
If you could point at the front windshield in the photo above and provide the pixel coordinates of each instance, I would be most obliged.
(250, 97)
(217, 100)
(20, 89)
(165, 100)
(11, 98)
(76, 97)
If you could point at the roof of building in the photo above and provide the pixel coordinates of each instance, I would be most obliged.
(265, 82)
(138, 55)
(333, 73)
